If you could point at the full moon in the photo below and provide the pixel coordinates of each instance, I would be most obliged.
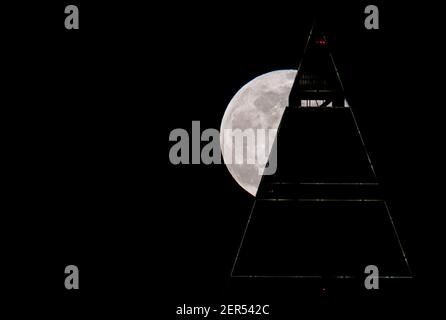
(259, 104)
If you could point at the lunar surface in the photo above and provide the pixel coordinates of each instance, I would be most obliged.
(259, 104)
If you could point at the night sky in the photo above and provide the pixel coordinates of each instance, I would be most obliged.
(88, 124)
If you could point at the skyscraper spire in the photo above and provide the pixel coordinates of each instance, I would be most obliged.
(317, 82)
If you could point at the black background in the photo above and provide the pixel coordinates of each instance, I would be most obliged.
(88, 114)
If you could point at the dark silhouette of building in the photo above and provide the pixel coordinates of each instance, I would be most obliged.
(322, 214)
